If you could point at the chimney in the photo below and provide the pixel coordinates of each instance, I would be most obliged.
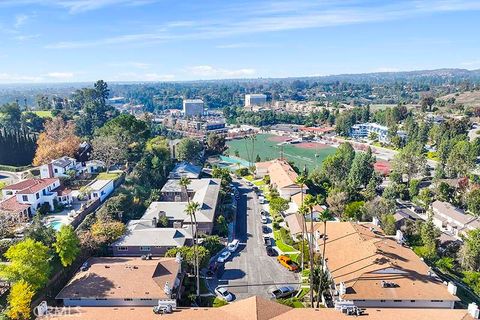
(399, 236)
(50, 170)
(154, 222)
(473, 310)
(375, 221)
(167, 289)
(452, 288)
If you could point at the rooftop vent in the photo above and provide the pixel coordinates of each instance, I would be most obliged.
(388, 284)
(473, 310)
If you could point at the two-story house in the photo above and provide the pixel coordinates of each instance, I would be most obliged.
(59, 168)
(25, 197)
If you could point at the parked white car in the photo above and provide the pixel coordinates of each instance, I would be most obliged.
(223, 293)
(224, 256)
(233, 246)
(264, 219)
(261, 199)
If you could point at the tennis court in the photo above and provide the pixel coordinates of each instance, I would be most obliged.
(267, 147)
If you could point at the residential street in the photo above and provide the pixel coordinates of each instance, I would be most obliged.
(250, 271)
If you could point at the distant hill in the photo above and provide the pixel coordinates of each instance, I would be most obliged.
(382, 77)
(468, 98)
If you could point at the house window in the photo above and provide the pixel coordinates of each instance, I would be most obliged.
(382, 300)
(436, 300)
(397, 300)
(122, 248)
(25, 198)
(145, 248)
(56, 170)
(9, 193)
(37, 195)
(127, 299)
(95, 195)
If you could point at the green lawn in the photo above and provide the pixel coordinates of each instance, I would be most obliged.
(108, 176)
(280, 244)
(249, 177)
(43, 113)
(268, 149)
(259, 183)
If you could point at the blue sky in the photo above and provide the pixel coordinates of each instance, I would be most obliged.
(164, 40)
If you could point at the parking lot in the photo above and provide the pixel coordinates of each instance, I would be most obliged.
(250, 271)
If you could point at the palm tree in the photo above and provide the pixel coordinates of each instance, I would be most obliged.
(191, 210)
(303, 211)
(301, 179)
(184, 183)
(310, 202)
(324, 217)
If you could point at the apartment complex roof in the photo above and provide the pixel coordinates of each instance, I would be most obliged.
(206, 192)
(185, 169)
(143, 233)
(256, 308)
(31, 186)
(317, 129)
(120, 278)
(192, 101)
(368, 258)
(446, 209)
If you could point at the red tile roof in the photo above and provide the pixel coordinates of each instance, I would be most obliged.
(62, 191)
(12, 205)
(317, 129)
(31, 186)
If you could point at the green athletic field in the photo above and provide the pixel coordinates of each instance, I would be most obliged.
(268, 149)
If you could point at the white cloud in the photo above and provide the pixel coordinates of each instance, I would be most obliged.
(271, 16)
(20, 20)
(25, 37)
(77, 6)
(17, 78)
(150, 76)
(471, 64)
(239, 45)
(60, 75)
(134, 64)
(206, 71)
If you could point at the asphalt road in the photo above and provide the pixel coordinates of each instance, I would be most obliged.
(250, 271)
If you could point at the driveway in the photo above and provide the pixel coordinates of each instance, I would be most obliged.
(9, 177)
(250, 271)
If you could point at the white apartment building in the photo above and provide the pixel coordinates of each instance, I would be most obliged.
(363, 130)
(193, 107)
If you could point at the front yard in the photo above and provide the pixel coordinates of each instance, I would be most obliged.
(108, 176)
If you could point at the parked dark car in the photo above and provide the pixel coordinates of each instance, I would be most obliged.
(282, 292)
(267, 241)
(271, 252)
(265, 229)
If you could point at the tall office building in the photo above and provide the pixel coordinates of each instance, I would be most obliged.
(193, 107)
(256, 99)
